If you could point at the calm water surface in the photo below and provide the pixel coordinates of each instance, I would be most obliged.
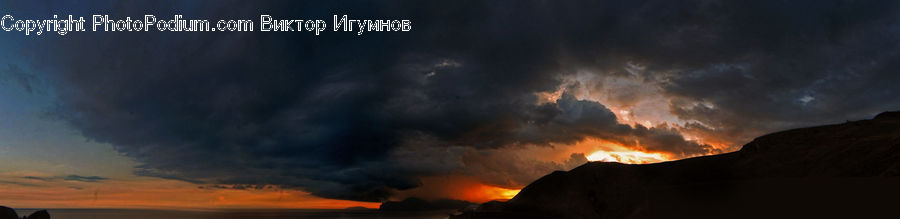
(230, 214)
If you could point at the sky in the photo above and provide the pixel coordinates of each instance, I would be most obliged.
(476, 101)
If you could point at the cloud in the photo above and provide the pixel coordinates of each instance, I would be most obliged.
(13, 74)
(38, 178)
(329, 114)
(79, 178)
(837, 52)
(85, 178)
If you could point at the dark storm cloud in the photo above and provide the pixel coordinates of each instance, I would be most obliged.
(324, 113)
(789, 64)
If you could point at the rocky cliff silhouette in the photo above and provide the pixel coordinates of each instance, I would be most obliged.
(9, 213)
(847, 170)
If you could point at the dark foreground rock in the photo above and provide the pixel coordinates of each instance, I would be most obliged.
(849, 170)
(8, 213)
(42, 214)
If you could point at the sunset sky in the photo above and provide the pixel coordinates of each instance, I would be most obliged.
(475, 102)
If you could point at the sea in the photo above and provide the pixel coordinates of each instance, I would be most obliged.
(232, 214)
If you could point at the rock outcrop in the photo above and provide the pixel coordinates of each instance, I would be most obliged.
(8, 213)
(42, 214)
(846, 170)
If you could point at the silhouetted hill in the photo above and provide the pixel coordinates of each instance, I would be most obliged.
(847, 170)
(359, 208)
(42, 214)
(8, 213)
(416, 204)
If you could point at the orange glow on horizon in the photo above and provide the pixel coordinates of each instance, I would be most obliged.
(154, 193)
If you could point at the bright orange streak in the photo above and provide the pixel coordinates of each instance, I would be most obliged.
(509, 193)
(596, 149)
(484, 193)
(629, 157)
(458, 187)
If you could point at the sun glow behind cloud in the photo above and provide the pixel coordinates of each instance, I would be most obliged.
(629, 157)
(636, 101)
